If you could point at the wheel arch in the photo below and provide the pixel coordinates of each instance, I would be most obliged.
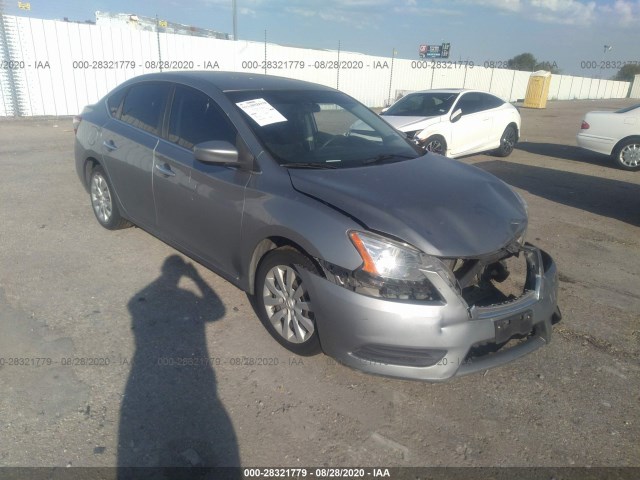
(515, 126)
(89, 164)
(267, 245)
(622, 141)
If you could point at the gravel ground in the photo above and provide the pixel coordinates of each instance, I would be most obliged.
(88, 313)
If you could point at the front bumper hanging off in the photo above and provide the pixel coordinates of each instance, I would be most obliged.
(437, 340)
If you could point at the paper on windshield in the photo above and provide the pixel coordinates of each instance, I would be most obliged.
(261, 111)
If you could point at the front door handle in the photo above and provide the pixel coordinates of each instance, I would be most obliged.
(109, 145)
(165, 169)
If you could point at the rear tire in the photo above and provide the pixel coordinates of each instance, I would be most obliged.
(103, 202)
(282, 301)
(507, 142)
(627, 154)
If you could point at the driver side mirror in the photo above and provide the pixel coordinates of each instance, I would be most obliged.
(455, 116)
(216, 152)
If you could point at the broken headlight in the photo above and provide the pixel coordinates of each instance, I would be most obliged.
(393, 270)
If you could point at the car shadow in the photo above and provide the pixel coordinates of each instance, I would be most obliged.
(567, 152)
(609, 198)
(170, 414)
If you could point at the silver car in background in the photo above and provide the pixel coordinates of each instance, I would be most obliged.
(390, 261)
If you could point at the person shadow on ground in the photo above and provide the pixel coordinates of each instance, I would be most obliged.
(170, 414)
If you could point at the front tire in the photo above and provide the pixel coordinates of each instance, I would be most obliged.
(436, 144)
(627, 154)
(507, 142)
(283, 303)
(103, 202)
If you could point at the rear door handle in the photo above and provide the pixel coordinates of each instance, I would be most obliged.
(165, 169)
(109, 145)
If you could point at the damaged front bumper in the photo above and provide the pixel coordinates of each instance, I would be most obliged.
(435, 340)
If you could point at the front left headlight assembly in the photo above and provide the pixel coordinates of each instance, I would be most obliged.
(393, 270)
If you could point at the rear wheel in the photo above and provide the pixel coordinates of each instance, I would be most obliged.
(283, 302)
(507, 142)
(627, 154)
(103, 202)
(436, 144)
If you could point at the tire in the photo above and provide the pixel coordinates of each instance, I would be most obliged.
(507, 142)
(627, 154)
(103, 203)
(282, 302)
(436, 144)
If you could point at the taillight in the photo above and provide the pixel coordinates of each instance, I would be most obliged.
(584, 126)
(76, 123)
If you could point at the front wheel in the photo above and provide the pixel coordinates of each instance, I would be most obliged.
(436, 144)
(283, 301)
(627, 154)
(507, 142)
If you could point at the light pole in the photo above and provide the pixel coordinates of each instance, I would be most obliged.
(234, 5)
(393, 56)
(607, 48)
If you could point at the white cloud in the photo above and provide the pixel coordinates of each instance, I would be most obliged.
(339, 12)
(508, 5)
(426, 11)
(360, 13)
(623, 12)
(570, 12)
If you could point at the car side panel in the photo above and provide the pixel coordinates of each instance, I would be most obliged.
(128, 162)
(274, 209)
(470, 133)
(200, 208)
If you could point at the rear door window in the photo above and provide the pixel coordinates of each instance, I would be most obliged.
(470, 103)
(144, 106)
(195, 118)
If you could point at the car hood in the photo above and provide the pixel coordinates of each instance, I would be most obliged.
(409, 124)
(441, 206)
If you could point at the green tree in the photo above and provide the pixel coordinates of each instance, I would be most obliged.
(548, 66)
(627, 73)
(529, 63)
(524, 61)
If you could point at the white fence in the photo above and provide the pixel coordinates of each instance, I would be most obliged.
(635, 89)
(55, 68)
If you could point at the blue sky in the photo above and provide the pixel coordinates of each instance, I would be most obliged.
(568, 32)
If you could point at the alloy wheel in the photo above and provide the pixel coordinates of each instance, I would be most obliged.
(508, 141)
(630, 155)
(101, 200)
(434, 146)
(287, 304)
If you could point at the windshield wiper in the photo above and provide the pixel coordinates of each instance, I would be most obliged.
(311, 165)
(383, 157)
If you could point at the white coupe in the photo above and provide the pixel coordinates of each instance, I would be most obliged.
(456, 122)
(613, 133)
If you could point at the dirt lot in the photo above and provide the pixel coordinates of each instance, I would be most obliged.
(91, 321)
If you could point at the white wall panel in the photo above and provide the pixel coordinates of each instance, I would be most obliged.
(86, 61)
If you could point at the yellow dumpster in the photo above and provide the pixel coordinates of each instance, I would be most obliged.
(538, 90)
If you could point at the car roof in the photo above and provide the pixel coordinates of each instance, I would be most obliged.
(231, 81)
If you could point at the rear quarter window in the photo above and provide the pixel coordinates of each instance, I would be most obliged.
(114, 101)
(491, 101)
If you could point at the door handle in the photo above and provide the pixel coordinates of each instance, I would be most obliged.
(109, 145)
(165, 170)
